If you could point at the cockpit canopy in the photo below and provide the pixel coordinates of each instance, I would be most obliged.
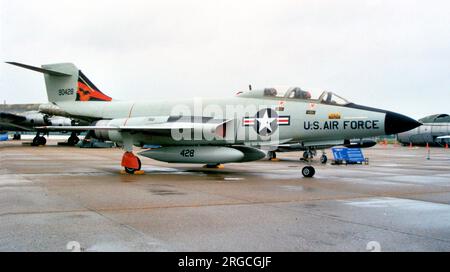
(295, 93)
(437, 118)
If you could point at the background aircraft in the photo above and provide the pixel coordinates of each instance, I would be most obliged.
(27, 117)
(434, 131)
(214, 130)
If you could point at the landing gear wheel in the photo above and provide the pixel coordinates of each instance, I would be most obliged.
(73, 140)
(214, 166)
(308, 171)
(39, 140)
(272, 155)
(323, 159)
(132, 170)
(42, 140)
(16, 136)
(305, 155)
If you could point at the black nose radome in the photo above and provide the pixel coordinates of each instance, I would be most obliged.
(395, 123)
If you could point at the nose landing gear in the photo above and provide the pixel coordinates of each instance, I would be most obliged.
(308, 154)
(308, 171)
(323, 158)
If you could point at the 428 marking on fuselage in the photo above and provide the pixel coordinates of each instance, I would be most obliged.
(188, 153)
(336, 125)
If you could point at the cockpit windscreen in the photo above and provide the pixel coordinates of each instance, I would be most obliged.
(296, 93)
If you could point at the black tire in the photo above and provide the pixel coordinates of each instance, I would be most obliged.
(305, 155)
(139, 162)
(73, 140)
(42, 140)
(308, 171)
(70, 141)
(35, 141)
(323, 159)
(272, 155)
(130, 170)
(39, 140)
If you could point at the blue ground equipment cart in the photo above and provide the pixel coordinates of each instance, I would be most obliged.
(344, 155)
(4, 137)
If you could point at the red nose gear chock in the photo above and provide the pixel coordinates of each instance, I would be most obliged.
(129, 160)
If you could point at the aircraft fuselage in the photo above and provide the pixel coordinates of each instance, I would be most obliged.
(295, 121)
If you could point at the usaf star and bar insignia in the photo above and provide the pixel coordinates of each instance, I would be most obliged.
(266, 121)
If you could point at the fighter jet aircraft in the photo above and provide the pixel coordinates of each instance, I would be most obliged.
(213, 131)
(435, 131)
(27, 117)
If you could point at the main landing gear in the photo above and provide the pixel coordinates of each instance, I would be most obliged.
(16, 136)
(214, 166)
(73, 139)
(39, 140)
(272, 155)
(131, 163)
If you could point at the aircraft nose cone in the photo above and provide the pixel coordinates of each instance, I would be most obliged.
(395, 123)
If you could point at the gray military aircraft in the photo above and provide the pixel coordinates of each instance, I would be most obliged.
(434, 131)
(213, 131)
(27, 117)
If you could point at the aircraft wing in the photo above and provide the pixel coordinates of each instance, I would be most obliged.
(77, 128)
(158, 128)
(11, 117)
(12, 121)
(125, 128)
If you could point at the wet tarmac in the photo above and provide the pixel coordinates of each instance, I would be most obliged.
(50, 196)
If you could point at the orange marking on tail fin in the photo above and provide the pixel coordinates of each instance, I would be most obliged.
(86, 93)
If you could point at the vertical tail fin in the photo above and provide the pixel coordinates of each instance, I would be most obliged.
(65, 82)
(87, 91)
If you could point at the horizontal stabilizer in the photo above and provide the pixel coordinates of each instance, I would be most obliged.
(38, 69)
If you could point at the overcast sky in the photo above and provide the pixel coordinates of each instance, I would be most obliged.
(388, 54)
